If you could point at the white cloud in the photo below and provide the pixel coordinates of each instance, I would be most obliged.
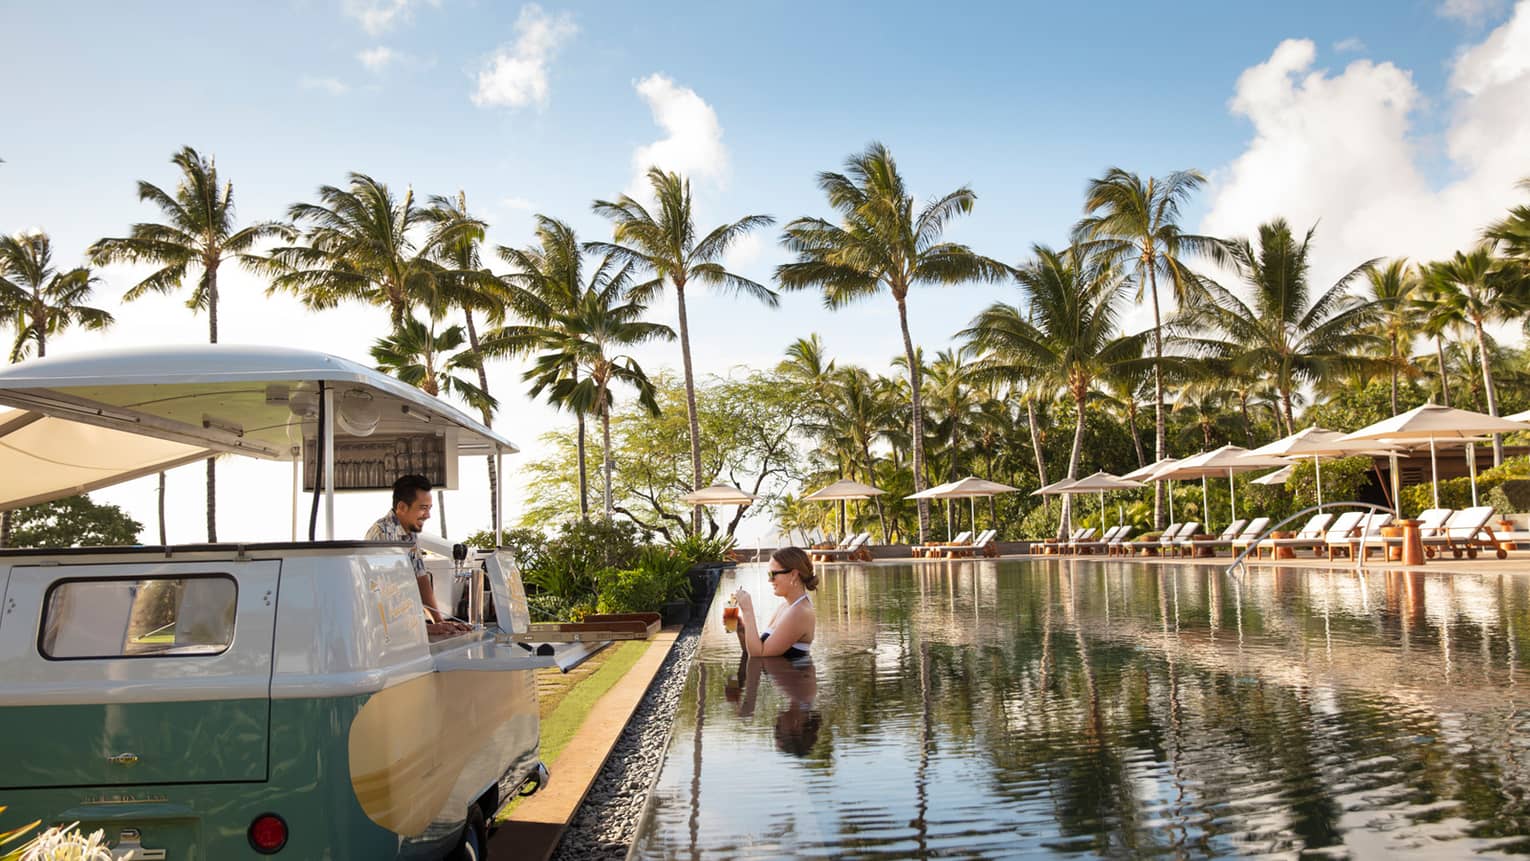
(332, 86)
(1339, 149)
(378, 16)
(376, 59)
(1352, 45)
(516, 76)
(1471, 12)
(692, 144)
(520, 204)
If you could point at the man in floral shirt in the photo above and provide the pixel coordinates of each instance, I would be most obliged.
(411, 508)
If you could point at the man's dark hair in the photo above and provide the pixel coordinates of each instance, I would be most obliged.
(407, 489)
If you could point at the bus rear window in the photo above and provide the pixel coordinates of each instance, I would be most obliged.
(139, 618)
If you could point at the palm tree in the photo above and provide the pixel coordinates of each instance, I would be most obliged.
(1435, 306)
(37, 300)
(1478, 288)
(363, 244)
(882, 243)
(465, 284)
(1138, 222)
(665, 244)
(1394, 289)
(544, 291)
(198, 233)
(581, 363)
(432, 361)
(1074, 342)
(1283, 333)
(1512, 234)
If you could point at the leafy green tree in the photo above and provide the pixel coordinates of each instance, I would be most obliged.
(363, 244)
(1137, 222)
(1477, 288)
(1282, 332)
(1073, 343)
(74, 521)
(198, 234)
(664, 243)
(882, 244)
(37, 300)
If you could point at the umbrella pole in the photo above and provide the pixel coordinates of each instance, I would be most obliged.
(1205, 502)
(1317, 467)
(1170, 495)
(1232, 495)
(1102, 511)
(1396, 484)
(1434, 473)
(972, 513)
(1471, 466)
(841, 520)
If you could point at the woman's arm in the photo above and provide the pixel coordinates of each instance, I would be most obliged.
(785, 635)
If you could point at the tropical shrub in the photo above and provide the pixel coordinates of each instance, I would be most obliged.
(1513, 496)
(659, 577)
(1457, 492)
(697, 548)
(572, 564)
(1343, 481)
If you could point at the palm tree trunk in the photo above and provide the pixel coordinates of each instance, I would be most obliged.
(441, 510)
(1078, 446)
(1131, 422)
(1248, 421)
(584, 494)
(1396, 360)
(605, 454)
(871, 475)
(1488, 389)
(1285, 405)
(488, 418)
(212, 469)
(915, 381)
(1030, 420)
(1439, 350)
(163, 541)
(1158, 418)
(690, 404)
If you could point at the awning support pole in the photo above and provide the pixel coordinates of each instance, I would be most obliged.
(329, 466)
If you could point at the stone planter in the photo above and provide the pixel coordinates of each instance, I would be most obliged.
(675, 613)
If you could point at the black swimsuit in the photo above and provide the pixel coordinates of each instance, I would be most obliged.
(798, 649)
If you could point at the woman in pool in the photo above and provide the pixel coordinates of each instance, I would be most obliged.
(789, 633)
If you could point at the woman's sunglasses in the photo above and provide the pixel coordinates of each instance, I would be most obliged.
(770, 574)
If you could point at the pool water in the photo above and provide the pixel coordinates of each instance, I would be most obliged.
(1033, 708)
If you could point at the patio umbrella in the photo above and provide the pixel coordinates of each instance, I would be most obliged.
(1228, 460)
(718, 494)
(840, 491)
(1145, 474)
(1318, 444)
(1279, 476)
(970, 487)
(1053, 489)
(1100, 482)
(1434, 423)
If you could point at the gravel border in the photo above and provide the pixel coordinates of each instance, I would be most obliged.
(607, 822)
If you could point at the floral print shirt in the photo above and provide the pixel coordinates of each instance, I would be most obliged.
(389, 529)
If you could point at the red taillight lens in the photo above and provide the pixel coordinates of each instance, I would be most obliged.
(268, 833)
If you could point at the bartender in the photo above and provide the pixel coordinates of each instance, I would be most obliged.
(411, 508)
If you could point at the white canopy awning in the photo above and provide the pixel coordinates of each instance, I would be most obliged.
(45, 458)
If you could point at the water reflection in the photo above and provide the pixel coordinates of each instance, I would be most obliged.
(990, 709)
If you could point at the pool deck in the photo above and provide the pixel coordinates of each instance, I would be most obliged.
(1486, 563)
(532, 832)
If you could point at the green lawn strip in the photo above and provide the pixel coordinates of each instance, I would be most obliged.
(559, 727)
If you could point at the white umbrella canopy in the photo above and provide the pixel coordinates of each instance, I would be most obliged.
(970, 487)
(840, 491)
(1279, 476)
(1227, 460)
(718, 494)
(1520, 417)
(1319, 444)
(1433, 422)
(1145, 473)
(1100, 482)
(1053, 489)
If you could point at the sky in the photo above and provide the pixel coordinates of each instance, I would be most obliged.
(1398, 127)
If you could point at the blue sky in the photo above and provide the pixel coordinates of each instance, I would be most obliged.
(1398, 106)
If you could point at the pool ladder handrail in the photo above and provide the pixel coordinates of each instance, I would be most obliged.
(1238, 561)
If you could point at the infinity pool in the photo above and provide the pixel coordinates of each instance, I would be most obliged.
(1004, 709)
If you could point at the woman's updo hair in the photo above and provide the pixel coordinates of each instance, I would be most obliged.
(796, 559)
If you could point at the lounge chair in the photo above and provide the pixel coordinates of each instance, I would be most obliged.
(1338, 533)
(1100, 543)
(1174, 546)
(848, 552)
(1249, 535)
(1166, 538)
(1084, 538)
(1187, 545)
(978, 545)
(1430, 522)
(1466, 532)
(961, 540)
(1309, 535)
(1120, 545)
(1367, 534)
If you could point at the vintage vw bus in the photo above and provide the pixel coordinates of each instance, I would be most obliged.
(234, 701)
